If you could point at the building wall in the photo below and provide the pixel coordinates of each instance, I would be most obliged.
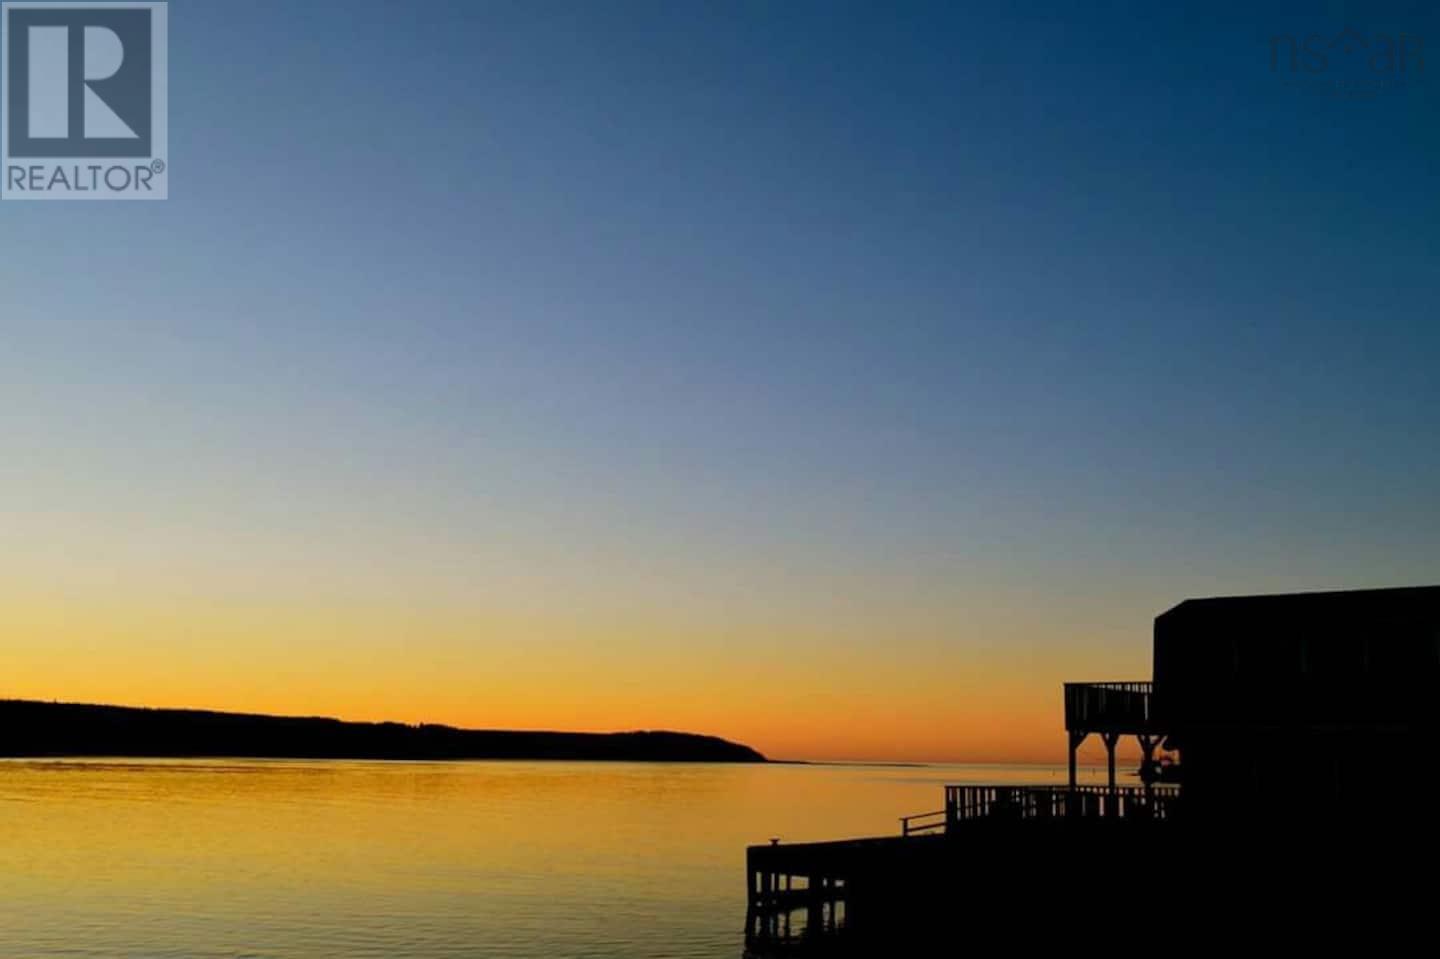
(1329, 698)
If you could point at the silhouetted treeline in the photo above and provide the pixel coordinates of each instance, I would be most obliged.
(65, 729)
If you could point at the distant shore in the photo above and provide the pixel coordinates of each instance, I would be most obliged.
(32, 729)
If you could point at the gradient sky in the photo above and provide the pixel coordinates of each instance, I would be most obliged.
(840, 378)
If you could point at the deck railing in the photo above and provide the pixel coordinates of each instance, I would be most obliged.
(967, 803)
(964, 803)
(924, 822)
(1109, 707)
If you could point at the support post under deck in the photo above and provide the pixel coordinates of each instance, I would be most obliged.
(1076, 738)
(1110, 739)
(1147, 749)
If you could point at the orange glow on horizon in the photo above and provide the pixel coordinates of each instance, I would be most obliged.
(789, 693)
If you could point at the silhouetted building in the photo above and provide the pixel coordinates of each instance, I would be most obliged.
(1305, 727)
(1327, 699)
(1322, 698)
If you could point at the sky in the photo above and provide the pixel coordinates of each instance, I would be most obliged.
(838, 378)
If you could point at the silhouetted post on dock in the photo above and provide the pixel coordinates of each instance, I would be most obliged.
(814, 905)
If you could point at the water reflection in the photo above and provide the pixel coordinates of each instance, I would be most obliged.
(354, 859)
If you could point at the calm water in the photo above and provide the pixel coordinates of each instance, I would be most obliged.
(307, 860)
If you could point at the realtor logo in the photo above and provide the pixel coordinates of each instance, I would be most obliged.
(84, 101)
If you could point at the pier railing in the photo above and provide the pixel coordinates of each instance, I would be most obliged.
(923, 822)
(967, 803)
(1109, 707)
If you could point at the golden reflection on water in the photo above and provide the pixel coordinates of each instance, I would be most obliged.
(354, 859)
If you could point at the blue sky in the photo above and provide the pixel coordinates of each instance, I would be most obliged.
(1026, 319)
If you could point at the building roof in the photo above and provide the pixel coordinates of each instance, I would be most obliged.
(1328, 603)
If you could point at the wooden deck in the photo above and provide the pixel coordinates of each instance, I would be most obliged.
(1116, 707)
(1111, 710)
(799, 891)
(1040, 884)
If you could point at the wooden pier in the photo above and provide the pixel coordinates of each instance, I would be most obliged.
(985, 843)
